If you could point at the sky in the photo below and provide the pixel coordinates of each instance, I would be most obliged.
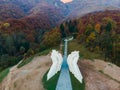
(65, 1)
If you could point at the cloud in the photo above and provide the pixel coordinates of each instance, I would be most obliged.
(66, 1)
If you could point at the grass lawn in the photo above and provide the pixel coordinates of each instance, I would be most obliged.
(76, 85)
(84, 53)
(3, 74)
(51, 83)
(47, 51)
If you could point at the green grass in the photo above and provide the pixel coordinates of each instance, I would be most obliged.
(76, 85)
(45, 52)
(51, 83)
(3, 74)
(101, 71)
(1, 69)
(26, 61)
(84, 52)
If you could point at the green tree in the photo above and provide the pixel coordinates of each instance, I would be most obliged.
(89, 29)
(62, 31)
(22, 50)
(72, 27)
(7, 61)
(9, 43)
(109, 24)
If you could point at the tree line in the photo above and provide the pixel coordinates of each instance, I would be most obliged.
(98, 33)
(99, 37)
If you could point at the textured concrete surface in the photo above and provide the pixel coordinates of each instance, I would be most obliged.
(64, 82)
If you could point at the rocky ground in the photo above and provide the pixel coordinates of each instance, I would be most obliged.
(98, 75)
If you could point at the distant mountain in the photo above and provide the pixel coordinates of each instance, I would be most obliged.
(81, 7)
(10, 11)
(84, 3)
(44, 15)
(26, 5)
(47, 13)
(15, 8)
(76, 13)
(59, 4)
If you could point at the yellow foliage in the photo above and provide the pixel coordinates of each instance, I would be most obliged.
(97, 48)
(87, 40)
(32, 52)
(92, 36)
(6, 25)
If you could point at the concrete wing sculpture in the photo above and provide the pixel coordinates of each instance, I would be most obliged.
(73, 67)
(56, 63)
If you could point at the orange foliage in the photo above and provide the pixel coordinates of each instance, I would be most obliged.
(97, 28)
(98, 17)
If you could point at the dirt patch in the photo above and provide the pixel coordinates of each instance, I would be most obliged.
(29, 77)
(107, 68)
(97, 78)
(98, 75)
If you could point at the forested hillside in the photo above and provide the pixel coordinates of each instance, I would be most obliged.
(99, 32)
(10, 11)
(22, 27)
(27, 28)
(30, 29)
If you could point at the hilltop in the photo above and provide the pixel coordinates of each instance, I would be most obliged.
(97, 74)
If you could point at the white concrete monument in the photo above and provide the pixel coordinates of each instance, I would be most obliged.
(73, 67)
(56, 63)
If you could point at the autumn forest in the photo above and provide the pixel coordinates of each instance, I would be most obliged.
(98, 32)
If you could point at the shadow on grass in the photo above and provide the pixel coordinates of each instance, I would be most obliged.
(51, 83)
(76, 85)
(3, 74)
(26, 61)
